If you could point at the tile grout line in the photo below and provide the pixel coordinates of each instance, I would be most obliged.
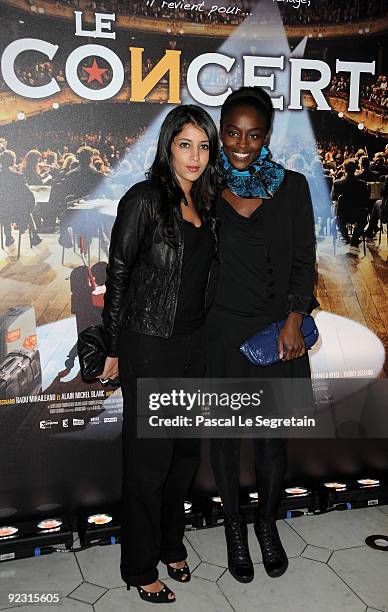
(295, 531)
(191, 546)
(82, 582)
(327, 562)
(98, 598)
(346, 584)
(207, 579)
(71, 592)
(215, 565)
(301, 553)
(350, 547)
(316, 560)
(321, 547)
(79, 567)
(223, 594)
(223, 573)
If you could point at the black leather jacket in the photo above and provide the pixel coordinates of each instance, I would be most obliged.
(143, 274)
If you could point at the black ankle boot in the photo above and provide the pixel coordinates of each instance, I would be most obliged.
(274, 556)
(239, 561)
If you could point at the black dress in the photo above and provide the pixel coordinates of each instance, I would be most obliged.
(241, 308)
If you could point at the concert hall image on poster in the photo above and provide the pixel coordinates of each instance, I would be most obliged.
(84, 87)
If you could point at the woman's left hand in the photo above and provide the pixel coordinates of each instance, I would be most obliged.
(291, 342)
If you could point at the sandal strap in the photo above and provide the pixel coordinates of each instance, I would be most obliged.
(181, 574)
(161, 596)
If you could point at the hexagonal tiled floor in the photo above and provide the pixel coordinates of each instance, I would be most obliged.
(337, 530)
(383, 509)
(211, 547)
(99, 565)
(307, 585)
(365, 570)
(198, 595)
(316, 554)
(68, 605)
(88, 593)
(330, 570)
(55, 573)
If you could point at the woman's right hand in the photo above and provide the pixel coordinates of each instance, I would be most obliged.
(111, 369)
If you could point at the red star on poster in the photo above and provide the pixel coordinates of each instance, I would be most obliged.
(95, 73)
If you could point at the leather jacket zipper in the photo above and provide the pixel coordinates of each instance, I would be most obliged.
(178, 265)
(207, 285)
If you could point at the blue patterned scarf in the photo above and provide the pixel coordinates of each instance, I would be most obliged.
(261, 179)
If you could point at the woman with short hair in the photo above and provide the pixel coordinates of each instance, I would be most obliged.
(266, 273)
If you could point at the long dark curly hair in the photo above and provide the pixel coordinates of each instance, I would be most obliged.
(204, 190)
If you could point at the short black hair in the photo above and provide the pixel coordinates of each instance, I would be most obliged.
(255, 97)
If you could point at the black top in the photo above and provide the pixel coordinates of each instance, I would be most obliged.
(243, 279)
(288, 227)
(197, 255)
(134, 300)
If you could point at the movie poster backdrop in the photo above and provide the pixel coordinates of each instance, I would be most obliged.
(84, 87)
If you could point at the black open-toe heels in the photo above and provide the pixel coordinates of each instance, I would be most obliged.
(162, 596)
(181, 574)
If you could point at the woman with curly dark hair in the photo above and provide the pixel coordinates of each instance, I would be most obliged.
(162, 244)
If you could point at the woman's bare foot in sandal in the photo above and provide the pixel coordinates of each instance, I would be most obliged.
(156, 592)
(154, 587)
(179, 570)
(178, 564)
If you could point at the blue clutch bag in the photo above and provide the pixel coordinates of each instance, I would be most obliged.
(262, 348)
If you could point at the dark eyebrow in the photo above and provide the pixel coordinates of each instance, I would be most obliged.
(189, 140)
(229, 125)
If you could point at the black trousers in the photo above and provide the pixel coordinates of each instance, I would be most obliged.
(157, 473)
